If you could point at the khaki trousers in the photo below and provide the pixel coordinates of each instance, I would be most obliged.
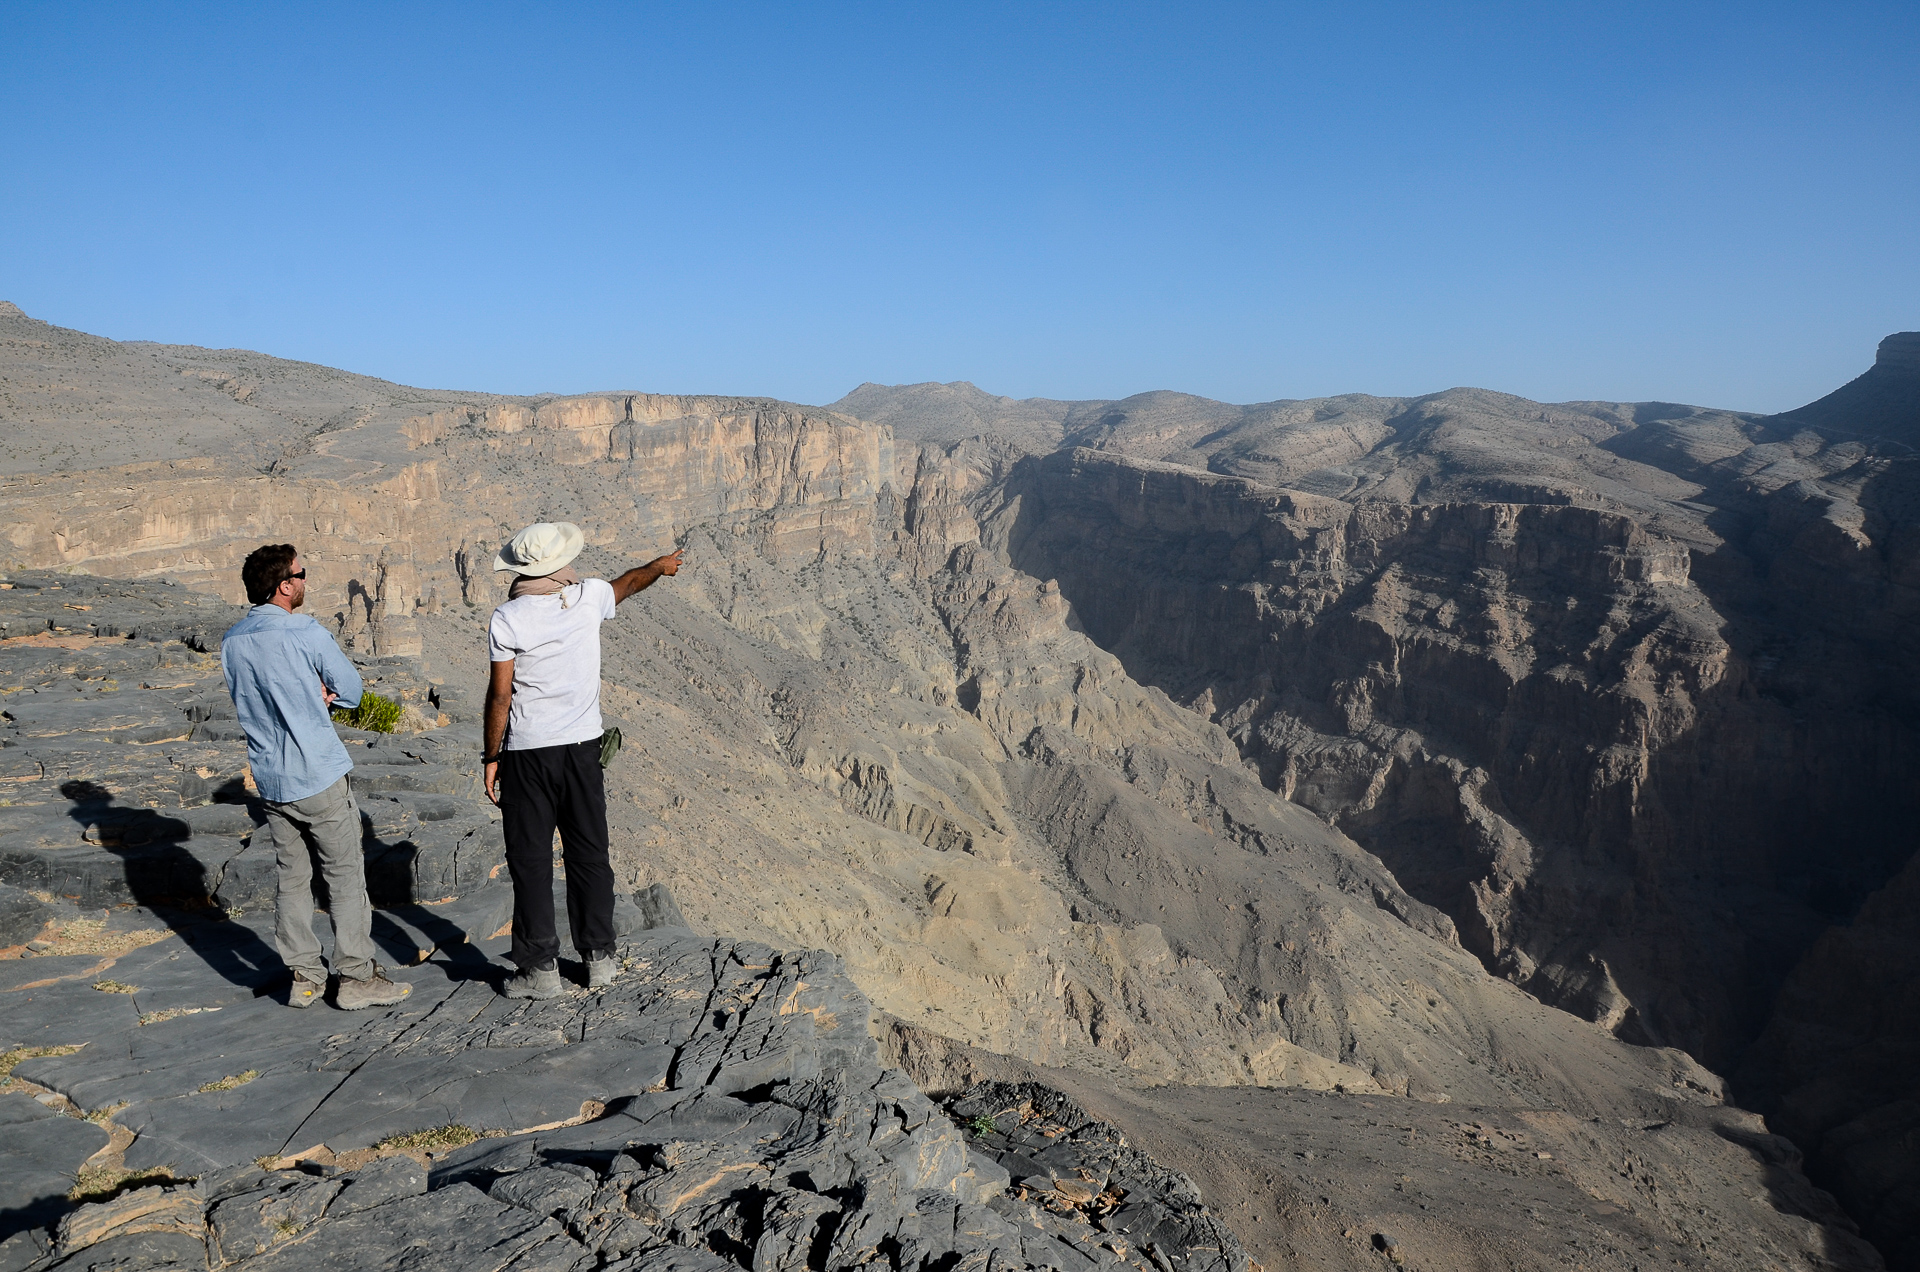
(323, 826)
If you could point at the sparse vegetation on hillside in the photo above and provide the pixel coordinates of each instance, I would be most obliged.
(375, 714)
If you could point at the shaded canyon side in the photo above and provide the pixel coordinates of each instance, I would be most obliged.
(1644, 779)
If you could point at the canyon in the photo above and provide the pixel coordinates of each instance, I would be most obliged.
(1479, 770)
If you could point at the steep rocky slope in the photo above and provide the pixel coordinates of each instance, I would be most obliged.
(866, 719)
(1626, 691)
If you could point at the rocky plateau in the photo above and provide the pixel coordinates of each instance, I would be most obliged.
(1441, 832)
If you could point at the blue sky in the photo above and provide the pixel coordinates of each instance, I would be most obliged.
(1704, 203)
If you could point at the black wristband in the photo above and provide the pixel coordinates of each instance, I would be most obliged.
(490, 759)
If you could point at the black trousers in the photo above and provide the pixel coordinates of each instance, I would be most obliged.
(540, 789)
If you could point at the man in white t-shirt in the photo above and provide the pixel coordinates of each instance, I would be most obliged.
(542, 757)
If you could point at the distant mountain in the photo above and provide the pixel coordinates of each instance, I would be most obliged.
(934, 412)
(1881, 404)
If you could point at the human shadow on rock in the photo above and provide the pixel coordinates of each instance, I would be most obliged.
(162, 872)
(408, 874)
(408, 934)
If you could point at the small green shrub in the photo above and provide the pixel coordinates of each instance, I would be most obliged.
(374, 714)
(981, 1126)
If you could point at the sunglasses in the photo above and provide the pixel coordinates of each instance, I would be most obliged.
(301, 575)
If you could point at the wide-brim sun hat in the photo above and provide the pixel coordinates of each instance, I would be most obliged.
(541, 549)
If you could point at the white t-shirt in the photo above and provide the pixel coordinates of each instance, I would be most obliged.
(556, 664)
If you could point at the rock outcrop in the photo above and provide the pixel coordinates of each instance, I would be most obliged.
(721, 1107)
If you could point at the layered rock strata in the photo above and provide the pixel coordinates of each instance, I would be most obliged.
(1475, 690)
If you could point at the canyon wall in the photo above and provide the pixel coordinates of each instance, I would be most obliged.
(1529, 712)
(402, 516)
(1647, 739)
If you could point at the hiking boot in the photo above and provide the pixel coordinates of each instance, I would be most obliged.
(305, 993)
(602, 970)
(534, 982)
(375, 991)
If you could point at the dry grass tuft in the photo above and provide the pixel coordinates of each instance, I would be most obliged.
(228, 1083)
(90, 936)
(172, 1013)
(436, 1139)
(103, 1183)
(11, 1058)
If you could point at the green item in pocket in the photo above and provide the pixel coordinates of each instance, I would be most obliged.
(609, 746)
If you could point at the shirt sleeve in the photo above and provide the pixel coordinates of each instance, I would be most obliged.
(500, 640)
(601, 593)
(335, 669)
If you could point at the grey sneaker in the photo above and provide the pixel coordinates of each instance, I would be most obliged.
(602, 970)
(375, 991)
(306, 993)
(535, 982)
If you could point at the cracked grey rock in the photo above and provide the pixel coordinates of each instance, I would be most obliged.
(136, 1252)
(251, 1223)
(40, 1150)
(1071, 1164)
(542, 1190)
(23, 915)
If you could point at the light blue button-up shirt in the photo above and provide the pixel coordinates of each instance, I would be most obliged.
(275, 662)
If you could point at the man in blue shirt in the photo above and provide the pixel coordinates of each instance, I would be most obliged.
(284, 673)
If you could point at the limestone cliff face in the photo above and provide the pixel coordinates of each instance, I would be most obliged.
(1529, 712)
(1067, 866)
(402, 515)
(1647, 734)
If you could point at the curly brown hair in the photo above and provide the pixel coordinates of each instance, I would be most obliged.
(265, 569)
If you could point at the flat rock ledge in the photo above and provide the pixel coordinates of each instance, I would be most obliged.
(721, 1106)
